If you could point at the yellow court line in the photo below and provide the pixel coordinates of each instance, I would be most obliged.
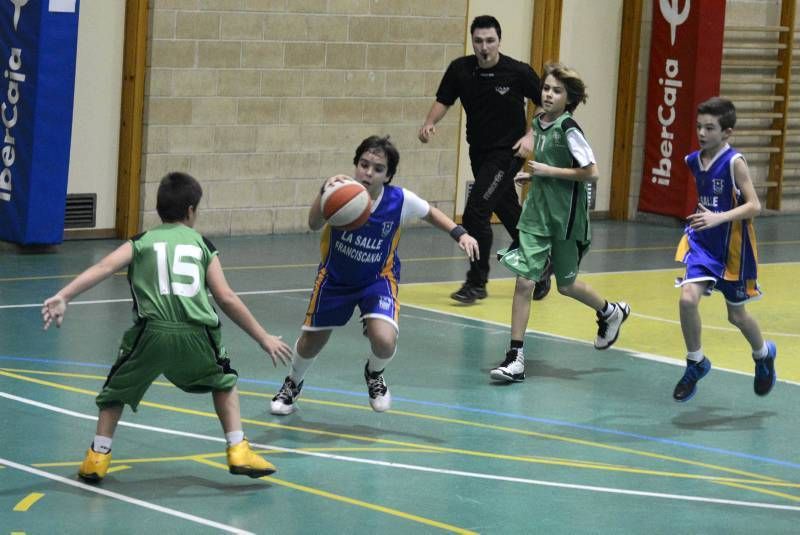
(473, 453)
(352, 501)
(28, 501)
(791, 497)
(118, 468)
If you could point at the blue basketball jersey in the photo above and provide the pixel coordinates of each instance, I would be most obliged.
(359, 257)
(729, 250)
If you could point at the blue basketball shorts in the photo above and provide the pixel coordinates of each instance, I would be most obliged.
(332, 305)
(736, 292)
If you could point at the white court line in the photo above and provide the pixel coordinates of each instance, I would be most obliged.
(122, 497)
(418, 468)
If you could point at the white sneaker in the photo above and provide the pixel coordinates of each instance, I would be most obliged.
(511, 370)
(284, 401)
(608, 328)
(380, 399)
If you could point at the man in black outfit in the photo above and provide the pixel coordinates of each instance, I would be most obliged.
(492, 88)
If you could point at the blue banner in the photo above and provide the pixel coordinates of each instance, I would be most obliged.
(38, 45)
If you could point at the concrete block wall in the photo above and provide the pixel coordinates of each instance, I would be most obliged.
(263, 99)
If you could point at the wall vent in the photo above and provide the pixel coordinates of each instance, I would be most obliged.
(81, 210)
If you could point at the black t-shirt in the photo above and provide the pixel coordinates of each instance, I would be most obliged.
(493, 99)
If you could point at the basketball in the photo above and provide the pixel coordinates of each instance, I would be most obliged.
(346, 205)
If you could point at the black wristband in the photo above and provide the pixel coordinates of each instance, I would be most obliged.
(457, 232)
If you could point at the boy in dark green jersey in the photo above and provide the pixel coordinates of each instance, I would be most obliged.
(555, 218)
(176, 330)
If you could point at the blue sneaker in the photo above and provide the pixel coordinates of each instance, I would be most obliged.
(687, 386)
(765, 371)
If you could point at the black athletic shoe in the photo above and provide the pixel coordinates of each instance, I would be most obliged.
(469, 293)
(687, 386)
(542, 287)
(765, 375)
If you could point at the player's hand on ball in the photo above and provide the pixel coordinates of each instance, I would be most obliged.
(277, 349)
(53, 310)
(470, 246)
(336, 179)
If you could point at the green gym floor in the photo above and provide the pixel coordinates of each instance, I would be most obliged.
(591, 442)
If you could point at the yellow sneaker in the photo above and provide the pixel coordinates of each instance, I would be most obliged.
(242, 461)
(94, 466)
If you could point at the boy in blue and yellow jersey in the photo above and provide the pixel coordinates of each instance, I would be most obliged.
(719, 248)
(361, 267)
(555, 219)
(176, 330)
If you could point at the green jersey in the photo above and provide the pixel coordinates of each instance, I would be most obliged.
(168, 275)
(555, 207)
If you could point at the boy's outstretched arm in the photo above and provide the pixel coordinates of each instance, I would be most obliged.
(466, 242)
(705, 218)
(56, 306)
(235, 309)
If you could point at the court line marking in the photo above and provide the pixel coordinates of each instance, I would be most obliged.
(547, 421)
(579, 464)
(27, 502)
(123, 497)
(419, 468)
(318, 492)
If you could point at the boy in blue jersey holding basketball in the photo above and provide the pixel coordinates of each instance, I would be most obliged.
(361, 267)
(719, 248)
(176, 330)
(555, 219)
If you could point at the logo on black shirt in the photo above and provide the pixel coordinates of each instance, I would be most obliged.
(502, 89)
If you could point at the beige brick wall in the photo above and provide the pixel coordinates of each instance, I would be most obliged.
(262, 99)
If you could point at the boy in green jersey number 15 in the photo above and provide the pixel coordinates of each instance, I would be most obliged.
(176, 330)
(555, 218)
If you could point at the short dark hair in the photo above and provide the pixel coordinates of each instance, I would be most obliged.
(485, 21)
(721, 108)
(576, 89)
(176, 193)
(380, 144)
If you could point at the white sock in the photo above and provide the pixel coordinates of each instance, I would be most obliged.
(101, 444)
(695, 356)
(234, 437)
(375, 364)
(300, 365)
(761, 353)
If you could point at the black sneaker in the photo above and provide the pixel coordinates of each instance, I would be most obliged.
(284, 401)
(765, 374)
(469, 293)
(542, 287)
(687, 386)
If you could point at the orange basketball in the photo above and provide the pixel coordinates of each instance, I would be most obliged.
(346, 205)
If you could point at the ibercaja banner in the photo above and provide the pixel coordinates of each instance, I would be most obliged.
(685, 67)
(38, 44)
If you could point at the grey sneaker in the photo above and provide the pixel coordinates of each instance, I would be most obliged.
(284, 401)
(608, 328)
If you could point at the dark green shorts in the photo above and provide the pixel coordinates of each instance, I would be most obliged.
(190, 356)
(530, 259)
